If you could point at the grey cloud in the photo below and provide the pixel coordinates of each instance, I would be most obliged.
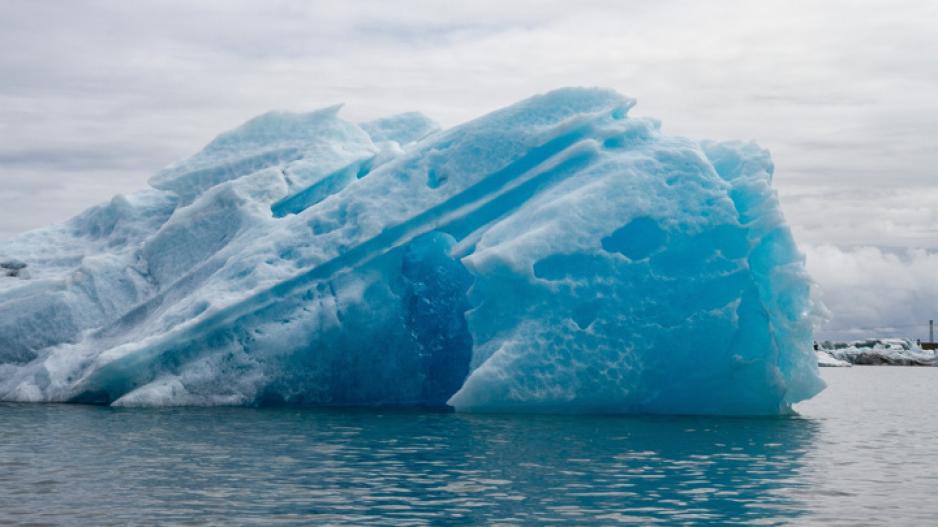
(71, 160)
(95, 97)
(870, 291)
(810, 99)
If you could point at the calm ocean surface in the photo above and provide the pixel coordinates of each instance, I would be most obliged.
(864, 452)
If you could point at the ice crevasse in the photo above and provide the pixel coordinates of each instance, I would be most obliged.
(556, 255)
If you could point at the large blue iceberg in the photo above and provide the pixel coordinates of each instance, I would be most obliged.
(553, 256)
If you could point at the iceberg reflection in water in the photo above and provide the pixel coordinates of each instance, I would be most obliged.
(296, 466)
(857, 455)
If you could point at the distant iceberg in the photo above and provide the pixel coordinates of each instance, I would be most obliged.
(552, 256)
(826, 360)
(878, 352)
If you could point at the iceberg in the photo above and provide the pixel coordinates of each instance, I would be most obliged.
(556, 255)
(826, 360)
(879, 352)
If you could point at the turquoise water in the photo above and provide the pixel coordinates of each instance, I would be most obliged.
(863, 452)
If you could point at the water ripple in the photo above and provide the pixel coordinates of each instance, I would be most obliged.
(74, 465)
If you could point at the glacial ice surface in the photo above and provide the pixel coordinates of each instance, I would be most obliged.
(556, 255)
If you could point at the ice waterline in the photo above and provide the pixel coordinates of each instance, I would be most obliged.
(553, 256)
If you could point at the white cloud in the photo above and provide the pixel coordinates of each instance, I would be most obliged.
(883, 216)
(872, 292)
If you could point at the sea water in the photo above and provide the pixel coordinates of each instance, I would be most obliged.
(865, 451)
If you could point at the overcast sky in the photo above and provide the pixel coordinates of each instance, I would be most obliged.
(96, 96)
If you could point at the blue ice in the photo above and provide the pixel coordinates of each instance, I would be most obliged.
(556, 255)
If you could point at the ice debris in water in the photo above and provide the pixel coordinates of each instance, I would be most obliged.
(555, 255)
